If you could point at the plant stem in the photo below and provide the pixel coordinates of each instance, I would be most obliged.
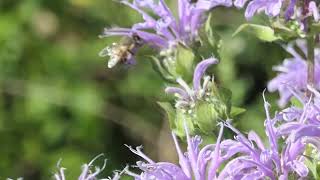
(310, 61)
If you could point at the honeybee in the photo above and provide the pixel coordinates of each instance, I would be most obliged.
(124, 51)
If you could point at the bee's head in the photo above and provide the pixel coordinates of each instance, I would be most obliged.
(137, 39)
(193, 1)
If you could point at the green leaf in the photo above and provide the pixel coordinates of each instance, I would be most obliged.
(287, 30)
(312, 167)
(235, 111)
(207, 117)
(181, 119)
(264, 33)
(225, 96)
(185, 62)
(210, 41)
(312, 162)
(295, 102)
(170, 111)
(213, 37)
(315, 28)
(158, 67)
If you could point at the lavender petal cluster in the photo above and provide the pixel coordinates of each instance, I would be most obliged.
(299, 122)
(197, 163)
(258, 161)
(245, 156)
(292, 73)
(160, 29)
(289, 9)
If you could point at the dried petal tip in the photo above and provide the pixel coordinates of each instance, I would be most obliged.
(117, 174)
(86, 174)
(160, 29)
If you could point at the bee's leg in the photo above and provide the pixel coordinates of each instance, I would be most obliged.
(130, 51)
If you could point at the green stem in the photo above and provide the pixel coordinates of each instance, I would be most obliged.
(310, 60)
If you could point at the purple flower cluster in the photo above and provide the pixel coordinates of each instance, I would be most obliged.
(195, 163)
(246, 157)
(161, 29)
(273, 161)
(293, 73)
(272, 8)
(299, 122)
(289, 133)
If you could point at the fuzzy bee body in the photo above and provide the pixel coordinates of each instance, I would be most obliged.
(124, 51)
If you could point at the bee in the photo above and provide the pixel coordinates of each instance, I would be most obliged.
(124, 51)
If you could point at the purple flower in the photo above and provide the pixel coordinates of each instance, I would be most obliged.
(302, 123)
(187, 96)
(307, 131)
(196, 163)
(161, 30)
(272, 8)
(293, 74)
(87, 172)
(246, 157)
(257, 161)
(314, 10)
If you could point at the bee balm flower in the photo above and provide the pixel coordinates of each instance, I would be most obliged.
(257, 161)
(292, 9)
(197, 163)
(161, 29)
(293, 74)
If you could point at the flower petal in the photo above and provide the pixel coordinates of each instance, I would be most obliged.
(306, 131)
(200, 70)
(300, 168)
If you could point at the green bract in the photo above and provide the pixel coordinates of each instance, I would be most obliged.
(174, 63)
(202, 115)
(264, 33)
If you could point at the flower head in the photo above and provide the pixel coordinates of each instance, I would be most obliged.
(257, 161)
(302, 123)
(291, 9)
(246, 157)
(161, 29)
(198, 163)
(293, 73)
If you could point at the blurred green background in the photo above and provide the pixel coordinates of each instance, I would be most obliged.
(59, 100)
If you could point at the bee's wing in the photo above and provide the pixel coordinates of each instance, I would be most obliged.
(126, 41)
